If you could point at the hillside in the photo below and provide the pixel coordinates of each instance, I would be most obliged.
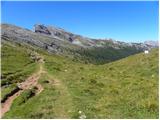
(58, 41)
(126, 88)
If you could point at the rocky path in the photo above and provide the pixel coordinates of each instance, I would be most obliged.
(27, 84)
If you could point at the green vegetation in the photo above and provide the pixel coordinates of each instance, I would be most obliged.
(101, 55)
(9, 90)
(27, 94)
(14, 59)
(16, 67)
(16, 64)
(127, 88)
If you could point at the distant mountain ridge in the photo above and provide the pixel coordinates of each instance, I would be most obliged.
(152, 43)
(84, 41)
(58, 41)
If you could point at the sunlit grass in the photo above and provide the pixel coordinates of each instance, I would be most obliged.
(127, 88)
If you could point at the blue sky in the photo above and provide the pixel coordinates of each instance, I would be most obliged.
(125, 21)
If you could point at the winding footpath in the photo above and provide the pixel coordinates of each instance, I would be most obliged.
(64, 103)
(27, 84)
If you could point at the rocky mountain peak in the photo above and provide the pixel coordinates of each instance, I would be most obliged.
(54, 32)
(41, 29)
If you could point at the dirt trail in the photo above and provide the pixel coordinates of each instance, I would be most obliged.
(6, 106)
(27, 84)
(32, 80)
(64, 103)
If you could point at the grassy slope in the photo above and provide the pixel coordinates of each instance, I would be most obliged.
(127, 88)
(131, 87)
(102, 55)
(16, 66)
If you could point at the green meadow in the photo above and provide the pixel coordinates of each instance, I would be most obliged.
(126, 88)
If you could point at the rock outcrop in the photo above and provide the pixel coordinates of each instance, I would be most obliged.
(42, 29)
